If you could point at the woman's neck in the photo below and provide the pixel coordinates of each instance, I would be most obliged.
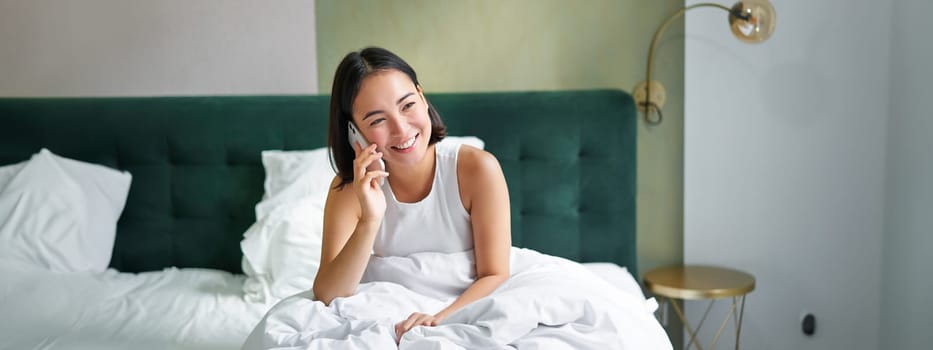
(412, 184)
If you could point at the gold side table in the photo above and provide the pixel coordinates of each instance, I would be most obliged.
(697, 282)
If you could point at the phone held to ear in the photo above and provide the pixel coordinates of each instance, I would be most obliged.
(354, 135)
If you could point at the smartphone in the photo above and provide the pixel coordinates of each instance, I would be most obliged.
(354, 135)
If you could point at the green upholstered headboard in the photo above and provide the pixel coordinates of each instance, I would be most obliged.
(569, 159)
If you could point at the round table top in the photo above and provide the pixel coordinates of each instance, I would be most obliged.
(698, 282)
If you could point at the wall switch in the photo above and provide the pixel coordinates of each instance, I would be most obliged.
(808, 324)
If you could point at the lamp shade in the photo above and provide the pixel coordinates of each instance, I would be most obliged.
(752, 21)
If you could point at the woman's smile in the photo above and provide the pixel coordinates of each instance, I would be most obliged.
(406, 146)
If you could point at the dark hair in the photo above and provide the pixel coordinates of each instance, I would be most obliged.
(351, 71)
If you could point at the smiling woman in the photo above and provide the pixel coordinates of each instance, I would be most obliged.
(379, 93)
(424, 259)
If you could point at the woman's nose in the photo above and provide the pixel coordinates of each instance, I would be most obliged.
(396, 125)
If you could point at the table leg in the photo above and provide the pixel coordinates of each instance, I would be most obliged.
(683, 319)
(723, 325)
(736, 313)
(738, 328)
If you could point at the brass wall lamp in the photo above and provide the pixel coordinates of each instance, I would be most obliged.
(751, 21)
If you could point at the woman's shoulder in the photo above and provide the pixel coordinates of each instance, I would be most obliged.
(475, 162)
(341, 198)
(478, 172)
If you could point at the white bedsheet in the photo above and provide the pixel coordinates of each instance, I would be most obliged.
(548, 303)
(169, 309)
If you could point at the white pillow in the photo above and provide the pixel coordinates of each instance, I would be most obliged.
(465, 140)
(282, 250)
(293, 176)
(61, 214)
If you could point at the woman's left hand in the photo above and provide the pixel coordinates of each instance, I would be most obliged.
(416, 319)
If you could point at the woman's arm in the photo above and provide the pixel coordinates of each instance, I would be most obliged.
(345, 248)
(352, 216)
(488, 204)
(486, 197)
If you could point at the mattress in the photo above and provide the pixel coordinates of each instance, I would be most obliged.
(168, 309)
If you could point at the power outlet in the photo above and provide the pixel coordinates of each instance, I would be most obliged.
(640, 95)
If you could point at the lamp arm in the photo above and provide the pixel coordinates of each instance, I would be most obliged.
(654, 44)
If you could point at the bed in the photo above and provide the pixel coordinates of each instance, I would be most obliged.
(175, 275)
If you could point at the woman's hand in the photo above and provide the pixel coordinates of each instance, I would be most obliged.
(366, 184)
(416, 319)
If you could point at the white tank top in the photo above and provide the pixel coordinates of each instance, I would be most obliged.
(437, 223)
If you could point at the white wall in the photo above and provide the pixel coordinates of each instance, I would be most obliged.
(907, 284)
(784, 167)
(165, 47)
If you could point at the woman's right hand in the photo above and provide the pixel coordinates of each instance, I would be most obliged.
(366, 184)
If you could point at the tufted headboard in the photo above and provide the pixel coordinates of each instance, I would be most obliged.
(568, 156)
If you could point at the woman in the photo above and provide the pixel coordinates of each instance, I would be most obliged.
(431, 197)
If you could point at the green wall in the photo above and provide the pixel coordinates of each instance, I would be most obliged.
(497, 45)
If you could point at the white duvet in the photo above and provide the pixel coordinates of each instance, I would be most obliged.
(168, 309)
(548, 303)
